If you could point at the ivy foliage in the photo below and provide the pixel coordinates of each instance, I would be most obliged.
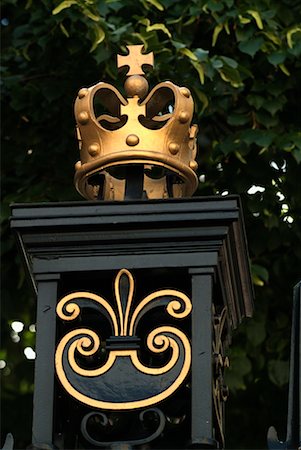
(241, 61)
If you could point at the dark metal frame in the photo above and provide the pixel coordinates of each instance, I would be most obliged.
(204, 236)
(293, 433)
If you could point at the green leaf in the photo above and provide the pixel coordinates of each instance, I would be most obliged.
(284, 69)
(101, 54)
(266, 119)
(261, 272)
(142, 39)
(240, 366)
(177, 44)
(297, 154)
(238, 119)
(203, 98)
(99, 36)
(156, 4)
(216, 62)
(256, 331)
(65, 4)
(231, 76)
(263, 138)
(290, 34)
(275, 344)
(190, 21)
(273, 106)
(201, 54)
(255, 100)
(243, 20)
(216, 32)
(240, 157)
(200, 69)
(257, 281)
(64, 31)
(251, 46)
(278, 372)
(144, 21)
(215, 5)
(229, 61)
(295, 51)
(272, 37)
(296, 137)
(226, 26)
(88, 13)
(256, 16)
(188, 53)
(244, 34)
(159, 26)
(276, 58)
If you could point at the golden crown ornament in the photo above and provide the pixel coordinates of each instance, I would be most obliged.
(141, 146)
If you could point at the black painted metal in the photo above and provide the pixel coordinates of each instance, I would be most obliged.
(9, 442)
(200, 240)
(42, 431)
(200, 232)
(293, 433)
(137, 440)
(135, 386)
(134, 182)
(201, 370)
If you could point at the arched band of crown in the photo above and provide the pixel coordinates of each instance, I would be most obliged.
(126, 157)
(136, 132)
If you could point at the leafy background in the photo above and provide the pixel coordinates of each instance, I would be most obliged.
(241, 60)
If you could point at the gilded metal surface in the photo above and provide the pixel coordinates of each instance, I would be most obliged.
(83, 343)
(135, 60)
(153, 131)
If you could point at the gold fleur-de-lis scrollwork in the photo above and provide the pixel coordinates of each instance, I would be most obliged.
(86, 343)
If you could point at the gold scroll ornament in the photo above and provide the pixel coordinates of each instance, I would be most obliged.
(97, 387)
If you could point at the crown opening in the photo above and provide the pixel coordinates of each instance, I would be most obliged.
(153, 124)
(112, 123)
(106, 108)
(159, 102)
(106, 100)
(156, 182)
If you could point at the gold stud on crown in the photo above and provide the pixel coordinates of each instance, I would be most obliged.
(151, 131)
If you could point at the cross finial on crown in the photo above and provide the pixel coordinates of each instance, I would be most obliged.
(135, 60)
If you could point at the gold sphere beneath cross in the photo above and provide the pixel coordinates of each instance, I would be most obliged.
(136, 85)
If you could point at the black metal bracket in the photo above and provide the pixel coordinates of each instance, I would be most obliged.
(293, 434)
